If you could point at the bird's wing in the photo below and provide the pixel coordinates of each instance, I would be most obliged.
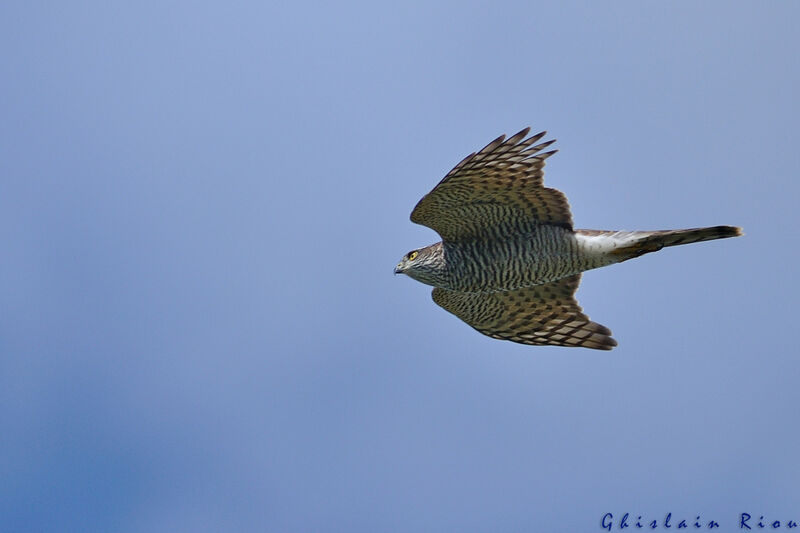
(540, 315)
(496, 192)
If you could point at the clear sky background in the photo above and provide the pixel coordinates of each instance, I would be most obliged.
(201, 205)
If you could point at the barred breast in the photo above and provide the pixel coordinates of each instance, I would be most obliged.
(543, 256)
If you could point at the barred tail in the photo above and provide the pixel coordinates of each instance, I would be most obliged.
(630, 244)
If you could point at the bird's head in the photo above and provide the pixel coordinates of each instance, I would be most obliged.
(425, 264)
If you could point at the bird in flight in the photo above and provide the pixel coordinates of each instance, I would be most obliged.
(509, 262)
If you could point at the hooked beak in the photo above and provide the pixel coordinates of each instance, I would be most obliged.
(397, 270)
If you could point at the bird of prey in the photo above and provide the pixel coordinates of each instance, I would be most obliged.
(509, 262)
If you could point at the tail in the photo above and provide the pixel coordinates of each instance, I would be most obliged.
(630, 244)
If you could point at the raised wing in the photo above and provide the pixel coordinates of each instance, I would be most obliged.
(540, 315)
(496, 192)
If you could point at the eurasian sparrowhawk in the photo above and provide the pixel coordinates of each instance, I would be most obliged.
(509, 262)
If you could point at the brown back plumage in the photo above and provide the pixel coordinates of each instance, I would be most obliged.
(494, 192)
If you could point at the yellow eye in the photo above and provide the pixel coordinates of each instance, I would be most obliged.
(412, 256)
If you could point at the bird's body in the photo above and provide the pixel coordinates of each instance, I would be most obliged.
(507, 264)
(544, 256)
(510, 261)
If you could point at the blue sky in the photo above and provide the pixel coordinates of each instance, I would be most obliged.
(201, 205)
